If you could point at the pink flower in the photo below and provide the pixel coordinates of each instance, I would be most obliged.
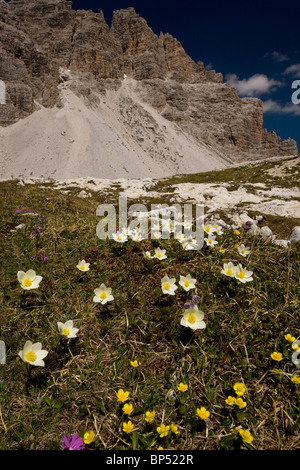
(72, 442)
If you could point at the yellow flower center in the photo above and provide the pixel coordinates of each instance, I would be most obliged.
(158, 255)
(30, 356)
(186, 283)
(66, 331)
(191, 318)
(119, 237)
(82, 267)
(103, 295)
(243, 251)
(229, 272)
(167, 286)
(210, 240)
(241, 274)
(27, 282)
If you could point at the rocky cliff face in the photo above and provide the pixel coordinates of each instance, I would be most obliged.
(40, 40)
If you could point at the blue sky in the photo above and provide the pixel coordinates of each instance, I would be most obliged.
(255, 45)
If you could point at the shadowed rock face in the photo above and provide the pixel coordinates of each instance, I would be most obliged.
(39, 38)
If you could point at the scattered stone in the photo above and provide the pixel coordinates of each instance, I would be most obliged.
(295, 235)
(283, 243)
(84, 194)
(266, 232)
(18, 227)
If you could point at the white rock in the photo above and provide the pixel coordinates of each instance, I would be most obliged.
(295, 235)
(283, 243)
(83, 194)
(266, 232)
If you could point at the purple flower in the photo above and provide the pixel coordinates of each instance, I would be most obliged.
(18, 211)
(195, 299)
(72, 442)
(187, 305)
(95, 249)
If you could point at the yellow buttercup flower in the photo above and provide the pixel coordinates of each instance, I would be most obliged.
(289, 338)
(203, 413)
(174, 428)
(150, 415)
(276, 356)
(239, 388)
(127, 408)
(128, 427)
(88, 437)
(240, 403)
(135, 363)
(163, 430)
(246, 435)
(230, 401)
(182, 387)
(295, 379)
(122, 396)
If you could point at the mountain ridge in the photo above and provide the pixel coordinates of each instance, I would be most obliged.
(47, 50)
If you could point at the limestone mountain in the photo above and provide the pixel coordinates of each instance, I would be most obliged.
(87, 99)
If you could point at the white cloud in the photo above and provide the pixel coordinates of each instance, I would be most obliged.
(271, 106)
(277, 56)
(293, 70)
(256, 85)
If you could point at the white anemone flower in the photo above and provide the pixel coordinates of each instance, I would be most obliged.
(29, 280)
(168, 285)
(147, 254)
(156, 235)
(242, 275)
(83, 266)
(33, 354)
(187, 282)
(218, 229)
(103, 294)
(180, 237)
(211, 241)
(229, 269)
(120, 237)
(188, 224)
(189, 243)
(137, 237)
(126, 231)
(193, 318)
(243, 250)
(208, 228)
(67, 329)
(160, 254)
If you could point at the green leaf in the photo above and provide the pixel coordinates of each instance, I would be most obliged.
(135, 438)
